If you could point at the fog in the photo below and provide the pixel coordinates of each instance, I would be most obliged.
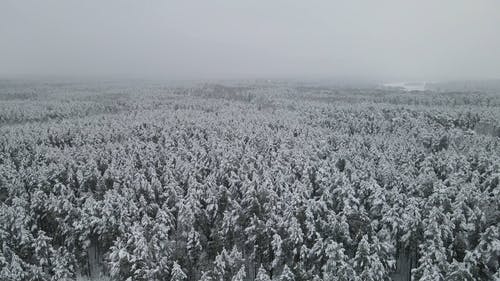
(419, 40)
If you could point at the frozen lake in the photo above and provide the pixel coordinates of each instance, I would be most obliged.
(408, 86)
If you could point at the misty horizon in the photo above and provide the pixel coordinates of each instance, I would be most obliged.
(387, 40)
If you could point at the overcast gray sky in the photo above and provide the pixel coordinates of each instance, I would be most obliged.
(422, 40)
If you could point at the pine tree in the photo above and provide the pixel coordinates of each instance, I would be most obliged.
(433, 260)
(63, 266)
(459, 271)
(205, 276)
(337, 266)
(362, 258)
(177, 274)
(262, 275)
(220, 265)
(240, 275)
(367, 263)
(487, 252)
(193, 245)
(287, 274)
(277, 249)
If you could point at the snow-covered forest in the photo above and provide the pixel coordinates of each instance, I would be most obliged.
(249, 181)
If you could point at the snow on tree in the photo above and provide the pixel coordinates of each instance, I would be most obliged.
(177, 274)
(240, 275)
(277, 249)
(205, 276)
(367, 263)
(338, 265)
(287, 274)
(209, 177)
(262, 275)
(433, 259)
